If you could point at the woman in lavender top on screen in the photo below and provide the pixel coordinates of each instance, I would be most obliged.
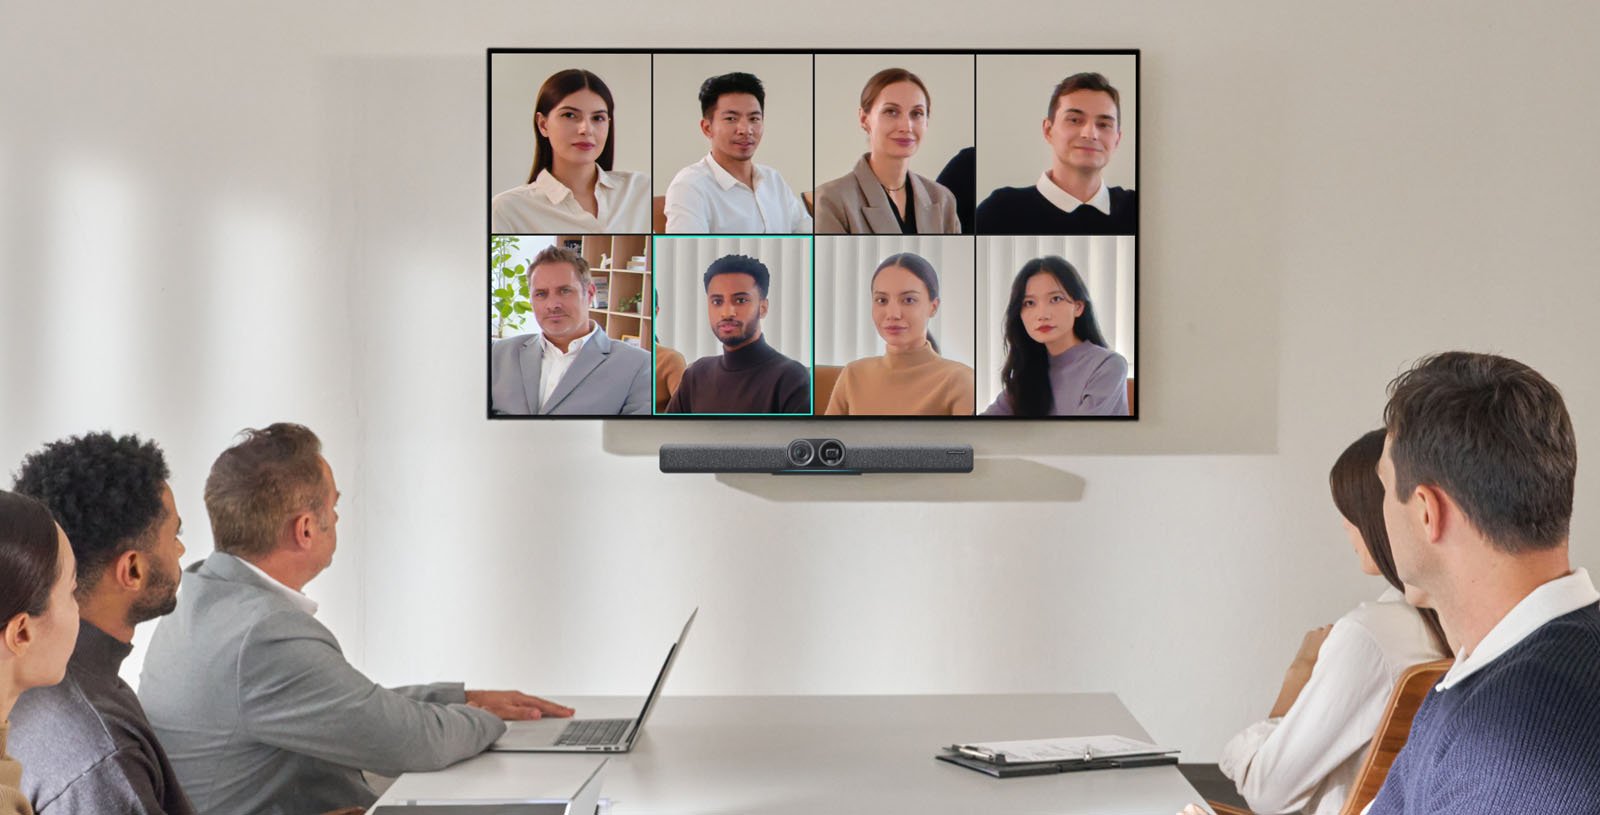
(1057, 362)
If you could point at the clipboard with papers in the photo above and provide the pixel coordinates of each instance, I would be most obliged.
(1006, 759)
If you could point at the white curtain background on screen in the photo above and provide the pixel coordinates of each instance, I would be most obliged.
(680, 266)
(1106, 263)
(845, 265)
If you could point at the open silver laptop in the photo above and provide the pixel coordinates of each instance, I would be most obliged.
(589, 735)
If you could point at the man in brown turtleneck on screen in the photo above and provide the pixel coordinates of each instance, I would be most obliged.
(749, 376)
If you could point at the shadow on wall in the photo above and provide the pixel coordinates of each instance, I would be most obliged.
(991, 481)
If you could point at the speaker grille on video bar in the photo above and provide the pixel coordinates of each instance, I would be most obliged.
(724, 458)
(921, 458)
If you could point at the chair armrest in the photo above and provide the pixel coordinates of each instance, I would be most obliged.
(1224, 809)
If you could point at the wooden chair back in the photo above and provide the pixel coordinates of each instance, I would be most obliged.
(1224, 809)
(1393, 730)
(824, 377)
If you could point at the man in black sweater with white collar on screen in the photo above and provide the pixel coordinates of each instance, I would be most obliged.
(1083, 129)
(749, 376)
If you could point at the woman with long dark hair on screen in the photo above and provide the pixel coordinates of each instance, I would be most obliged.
(40, 616)
(881, 194)
(1057, 362)
(1305, 756)
(911, 378)
(572, 187)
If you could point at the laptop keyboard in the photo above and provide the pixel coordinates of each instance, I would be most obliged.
(585, 732)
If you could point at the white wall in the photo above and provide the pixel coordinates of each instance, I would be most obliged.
(515, 91)
(786, 80)
(202, 230)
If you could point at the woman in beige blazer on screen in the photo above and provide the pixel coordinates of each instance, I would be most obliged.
(881, 195)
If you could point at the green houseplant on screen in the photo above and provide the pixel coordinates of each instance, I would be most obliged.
(508, 286)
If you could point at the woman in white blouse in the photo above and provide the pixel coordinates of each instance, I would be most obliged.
(572, 187)
(1304, 757)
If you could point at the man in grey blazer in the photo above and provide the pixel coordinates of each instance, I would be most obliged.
(253, 699)
(570, 367)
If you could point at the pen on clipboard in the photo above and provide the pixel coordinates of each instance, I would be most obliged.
(991, 756)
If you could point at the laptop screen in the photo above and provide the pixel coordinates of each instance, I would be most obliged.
(661, 678)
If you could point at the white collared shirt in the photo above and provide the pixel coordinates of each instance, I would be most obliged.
(546, 206)
(1560, 596)
(1067, 202)
(1307, 761)
(704, 198)
(554, 362)
(300, 600)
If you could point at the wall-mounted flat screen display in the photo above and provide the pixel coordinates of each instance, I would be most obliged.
(821, 233)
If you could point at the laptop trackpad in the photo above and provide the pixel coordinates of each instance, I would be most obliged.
(530, 735)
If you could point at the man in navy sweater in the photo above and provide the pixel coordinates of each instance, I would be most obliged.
(1478, 472)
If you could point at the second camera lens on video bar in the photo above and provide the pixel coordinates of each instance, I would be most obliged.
(831, 453)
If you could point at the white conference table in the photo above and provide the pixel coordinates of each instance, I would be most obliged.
(788, 755)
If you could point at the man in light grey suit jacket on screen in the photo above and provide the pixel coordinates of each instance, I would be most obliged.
(570, 367)
(251, 696)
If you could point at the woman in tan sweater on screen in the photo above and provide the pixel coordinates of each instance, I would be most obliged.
(911, 379)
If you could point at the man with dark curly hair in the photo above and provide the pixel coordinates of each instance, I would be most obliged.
(86, 742)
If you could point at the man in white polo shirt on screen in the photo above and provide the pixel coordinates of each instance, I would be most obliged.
(727, 192)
